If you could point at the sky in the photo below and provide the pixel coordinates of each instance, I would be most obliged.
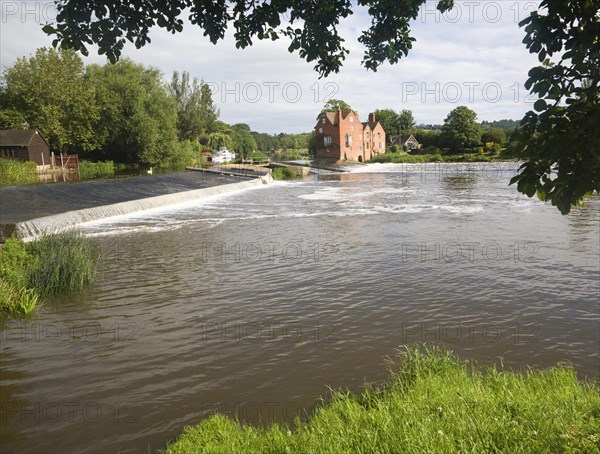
(472, 55)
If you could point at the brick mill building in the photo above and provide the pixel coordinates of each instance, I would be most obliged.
(342, 137)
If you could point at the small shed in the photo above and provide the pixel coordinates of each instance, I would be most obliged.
(24, 145)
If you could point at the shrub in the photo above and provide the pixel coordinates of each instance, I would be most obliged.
(61, 263)
(283, 173)
(17, 172)
(394, 148)
(56, 263)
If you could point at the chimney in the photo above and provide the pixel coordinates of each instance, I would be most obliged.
(372, 117)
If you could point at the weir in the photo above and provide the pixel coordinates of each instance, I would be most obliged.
(28, 230)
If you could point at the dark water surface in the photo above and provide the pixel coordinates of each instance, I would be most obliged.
(253, 302)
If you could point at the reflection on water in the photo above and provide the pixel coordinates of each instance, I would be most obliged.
(252, 303)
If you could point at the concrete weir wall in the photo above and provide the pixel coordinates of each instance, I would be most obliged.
(28, 230)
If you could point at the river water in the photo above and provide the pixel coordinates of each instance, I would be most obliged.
(252, 303)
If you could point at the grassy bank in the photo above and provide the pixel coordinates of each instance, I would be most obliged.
(102, 169)
(433, 402)
(56, 263)
(16, 172)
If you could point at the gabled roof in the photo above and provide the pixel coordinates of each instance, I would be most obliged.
(332, 117)
(402, 139)
(18, 137)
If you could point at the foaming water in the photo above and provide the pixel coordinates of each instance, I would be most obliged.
(252, 303)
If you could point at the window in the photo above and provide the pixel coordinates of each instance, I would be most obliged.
(367, 136)
(380, 145)
(327, 140)
(348, 140)
(320, 130)
(323, 121)
(379, 135)
(351, 118)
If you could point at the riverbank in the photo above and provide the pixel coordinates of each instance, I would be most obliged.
(433, 402)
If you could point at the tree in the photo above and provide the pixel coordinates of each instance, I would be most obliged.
(333, 105)
(242, 140)
(50, 91)
(217, 140)
(138, 116)
(389, 122)
(195, 109)
(495, 135)
(460, 130)
(561, 139)
(406, 122)
(312, 30)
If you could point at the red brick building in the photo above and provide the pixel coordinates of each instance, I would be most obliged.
(343, 137)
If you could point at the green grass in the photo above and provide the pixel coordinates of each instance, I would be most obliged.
(433, 403)
(16, 172)
(89, 170)
(283, 173)
(55, 263)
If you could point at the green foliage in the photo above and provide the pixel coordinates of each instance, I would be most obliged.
(61, 263)
(495, 135)
(406, 122)
(561, 139)
(56, 263)
(50, 91)
(17, 172)
(218, 139)
(16, 301)
(196, 112)
(16, 298)
(389, 122)
(433, 402)
(89, 170)
(243, 142)
(186, 153)
(138, 117)
(333, 105)
(394, 148)
(283, 173)
(460, 130)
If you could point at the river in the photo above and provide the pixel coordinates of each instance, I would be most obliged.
(252, 303)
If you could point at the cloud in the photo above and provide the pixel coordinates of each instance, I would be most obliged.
(470, 56)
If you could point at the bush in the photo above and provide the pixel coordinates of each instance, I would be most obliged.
(393, 148)
(283, 173)
(56, 263)
(17, 172)
(61, 263)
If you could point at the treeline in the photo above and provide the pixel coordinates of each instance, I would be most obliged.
(124, 112)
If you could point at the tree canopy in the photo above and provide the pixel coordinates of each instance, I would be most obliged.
(460, 130)
(333, 105)
(561, 139)
(49, 91)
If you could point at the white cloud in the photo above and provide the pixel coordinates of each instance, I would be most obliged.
(471, 56)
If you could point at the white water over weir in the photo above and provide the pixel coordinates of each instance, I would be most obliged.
(29, 230)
